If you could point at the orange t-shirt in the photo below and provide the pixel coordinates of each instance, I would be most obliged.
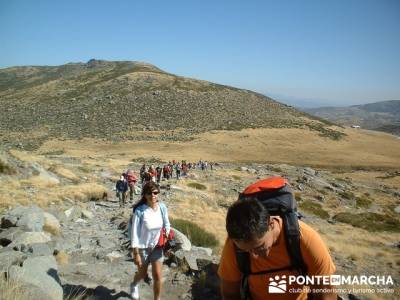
(314, 252)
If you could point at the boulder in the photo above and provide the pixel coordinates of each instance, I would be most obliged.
(28, 238)
(41, 272)
(40, 249)
(31, 221)
(182, 241)
(13, 218)
(10, 258)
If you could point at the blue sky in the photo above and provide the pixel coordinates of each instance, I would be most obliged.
(329, 52)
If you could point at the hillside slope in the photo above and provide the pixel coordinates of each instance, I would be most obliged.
(382, 116)
(127, 100)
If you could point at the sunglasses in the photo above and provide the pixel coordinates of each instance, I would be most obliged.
(153, 193)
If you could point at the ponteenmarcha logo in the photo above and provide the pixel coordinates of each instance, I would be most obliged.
(277, 285)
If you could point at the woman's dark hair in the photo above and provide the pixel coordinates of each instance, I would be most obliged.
(247, 220)
(147, 189)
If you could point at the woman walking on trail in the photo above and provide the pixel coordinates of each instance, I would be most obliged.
(149, 217)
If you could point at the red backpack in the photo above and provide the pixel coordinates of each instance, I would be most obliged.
(130, 176)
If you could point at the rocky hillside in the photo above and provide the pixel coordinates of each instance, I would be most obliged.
(127, 100)
(382, 116)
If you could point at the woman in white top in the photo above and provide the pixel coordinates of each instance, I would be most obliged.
(149, 217)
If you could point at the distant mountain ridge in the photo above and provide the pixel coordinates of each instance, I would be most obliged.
(127, 100)
(381, 116)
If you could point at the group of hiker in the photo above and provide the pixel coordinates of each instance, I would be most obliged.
(128, 179)
(266, 242)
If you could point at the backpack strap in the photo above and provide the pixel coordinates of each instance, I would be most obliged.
(292, 236)
(243, 262)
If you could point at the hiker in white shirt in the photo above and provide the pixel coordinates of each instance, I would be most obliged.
(149, 217)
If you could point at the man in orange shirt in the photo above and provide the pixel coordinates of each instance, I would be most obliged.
(252, 230)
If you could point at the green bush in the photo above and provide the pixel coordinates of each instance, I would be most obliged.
(298, 197)
(364, 201)
(197, 186)
(197, 235)
(5, 168)
(314, 208)
(370, 221)
(347, 195)
(236, 177)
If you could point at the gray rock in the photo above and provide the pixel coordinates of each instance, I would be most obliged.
(73, 213)
(309, 171)
(183, 242)
(87, 214)
(202, 250)
(113, 256)
(31, 221)
(12, 217)
(40, 249)
(84, 243)
(397, 209)
(29, 238)
(40, 272)
(10, 258)
(105, 243)
(10, 234)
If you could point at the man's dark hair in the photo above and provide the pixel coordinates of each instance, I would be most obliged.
(247, 220)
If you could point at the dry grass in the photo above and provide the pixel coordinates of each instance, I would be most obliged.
(40, 182)
(83, 192)
(13, 290)
(363, 246)
(64, 172)
(360, 148)
(62, 258)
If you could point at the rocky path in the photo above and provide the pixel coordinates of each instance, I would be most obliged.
(92, 257)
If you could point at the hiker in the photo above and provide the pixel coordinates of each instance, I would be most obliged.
(122, 188)
(131, 179)
(146, 179)
(166, 172)
(178, 170)
(255, 256)
(142, 171)
(150, 216)
(159, 171)
(153, 173)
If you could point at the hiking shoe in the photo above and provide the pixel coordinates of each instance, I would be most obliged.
(134, 291)
(148, 279)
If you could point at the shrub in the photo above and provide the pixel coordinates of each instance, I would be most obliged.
(197, 186)
(363, 202)
(298, 197)
(197, 235)
(236, 177)
(5, 168)
(151, 161)
(370, 221)
(84, 192)
(314, 208)
(347, 195)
